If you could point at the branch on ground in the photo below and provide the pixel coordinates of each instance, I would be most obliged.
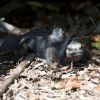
(4, 86)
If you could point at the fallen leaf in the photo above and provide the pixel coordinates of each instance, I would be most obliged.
(93, 73)
(98, 87)
(72, 84)
(95, 37)
(59, 85)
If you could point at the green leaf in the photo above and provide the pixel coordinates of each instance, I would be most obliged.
(96, 45)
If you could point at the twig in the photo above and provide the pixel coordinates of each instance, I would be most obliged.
(40, 64)
(8, 28)
(4, 86)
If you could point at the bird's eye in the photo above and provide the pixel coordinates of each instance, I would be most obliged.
(75, 49)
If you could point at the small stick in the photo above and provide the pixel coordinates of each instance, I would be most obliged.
(4, 86)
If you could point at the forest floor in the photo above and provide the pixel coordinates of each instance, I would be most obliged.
(38, 81)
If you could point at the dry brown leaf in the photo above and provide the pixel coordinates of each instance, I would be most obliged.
(95, 37)
(98, 87)
(93, 73)
(68, 82)
(59, 85)
(97, 91)
(72, 84)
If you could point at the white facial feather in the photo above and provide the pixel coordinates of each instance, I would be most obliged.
(74, 45)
